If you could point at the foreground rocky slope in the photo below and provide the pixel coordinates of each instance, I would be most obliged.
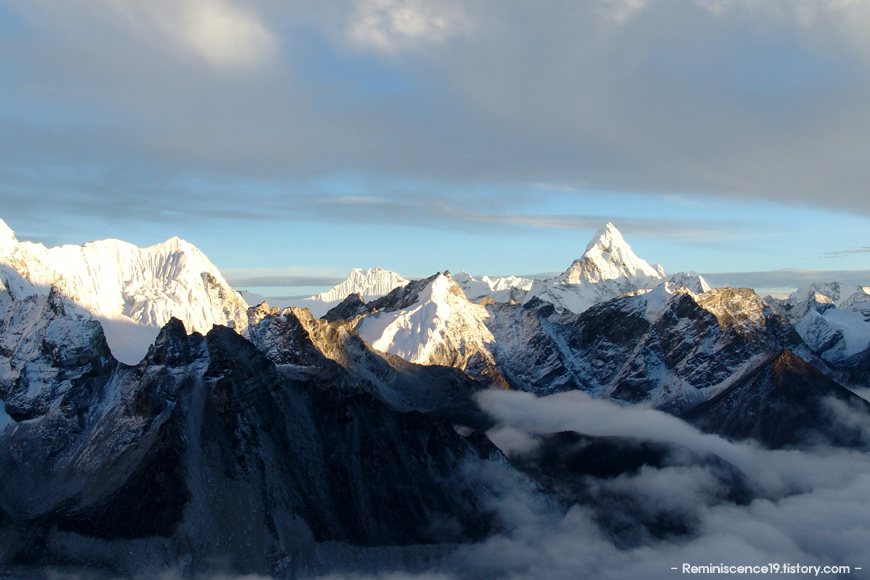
(208, 450)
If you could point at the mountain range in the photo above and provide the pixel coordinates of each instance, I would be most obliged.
(298, 441)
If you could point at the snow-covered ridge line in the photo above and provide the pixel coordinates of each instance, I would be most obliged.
(832, 318)
(836, 293)
(132, 291)
(370, 284)
(499, 288)
(608, 268)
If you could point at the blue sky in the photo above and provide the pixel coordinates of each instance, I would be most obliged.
(296, 140)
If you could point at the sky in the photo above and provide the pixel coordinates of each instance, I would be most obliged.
(294, 140)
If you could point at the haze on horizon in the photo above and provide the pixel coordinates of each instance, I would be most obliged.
(294, 142)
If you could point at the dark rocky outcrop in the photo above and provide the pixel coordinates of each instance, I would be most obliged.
(786, 402)
(207, 450)
(348, 309)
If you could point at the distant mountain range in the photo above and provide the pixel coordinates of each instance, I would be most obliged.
(265, 437)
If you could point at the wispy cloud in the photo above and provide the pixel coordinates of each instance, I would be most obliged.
(395, 25)
(851, 252)
(263, 281)
(803, 501)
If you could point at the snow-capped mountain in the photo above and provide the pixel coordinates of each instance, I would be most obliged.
(499, 289)
(430, 322)
(607, 269)
(691, 280)
(294, 337)
(49, 350)
(133, 292)
(839, 294)
(207, 451)
(834, 320)
(370, 284)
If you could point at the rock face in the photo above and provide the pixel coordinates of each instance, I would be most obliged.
(50, 355)
(208, 450)
(334, 351)
(786, 402)
(668, 347)
(348, 309)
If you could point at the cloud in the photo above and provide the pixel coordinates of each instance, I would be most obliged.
(621, 10)
(223, 33)
(810, 509)
(133, 102)
(394, 25)
(261, 281)
(841, 253)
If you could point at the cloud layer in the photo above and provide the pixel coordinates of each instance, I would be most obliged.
(810, 509)
(734, 98)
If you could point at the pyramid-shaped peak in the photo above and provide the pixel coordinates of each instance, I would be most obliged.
(609, 247)
(606, 238)
(609, 257)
